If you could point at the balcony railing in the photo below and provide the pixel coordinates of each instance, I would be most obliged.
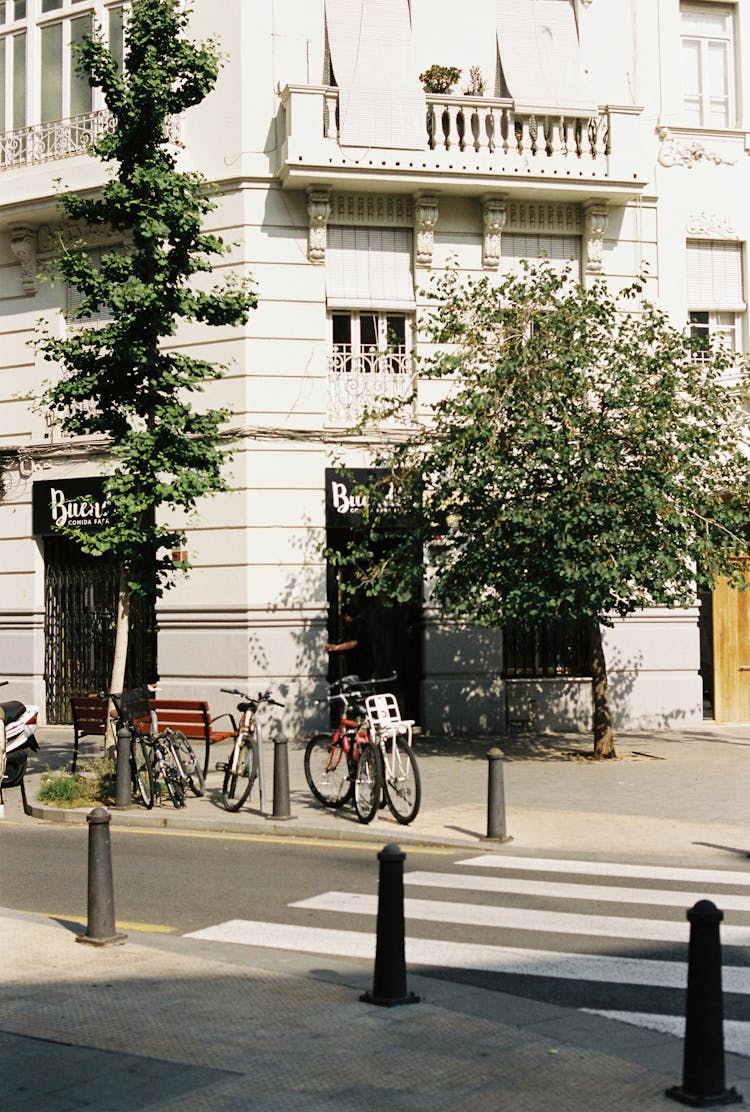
(472, 135)
(361, 381)
(493, 125)
(64, 138)
(58, 139)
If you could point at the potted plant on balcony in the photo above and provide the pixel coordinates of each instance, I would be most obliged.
(477, 85)
(440, 79)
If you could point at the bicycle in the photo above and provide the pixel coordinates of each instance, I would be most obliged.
(330, 760)
(131, 707)
(168, 755)
(241, 770)
(387, 768)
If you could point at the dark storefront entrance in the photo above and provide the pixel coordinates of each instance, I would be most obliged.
(395, 632)
(81, 604)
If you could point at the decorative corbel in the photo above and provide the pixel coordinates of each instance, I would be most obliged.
(425, 219)
(596, 219)
(318, 214)
(494, 214)
(23, 246)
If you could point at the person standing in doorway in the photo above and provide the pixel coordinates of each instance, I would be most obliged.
(355, 645)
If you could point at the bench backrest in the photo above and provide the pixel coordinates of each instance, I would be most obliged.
(192, 716)
(89, 714)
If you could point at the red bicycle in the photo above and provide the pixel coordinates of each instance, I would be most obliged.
(331, 758)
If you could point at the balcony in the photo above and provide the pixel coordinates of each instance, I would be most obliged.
(58, 139)
(470, 144)
(366, 380)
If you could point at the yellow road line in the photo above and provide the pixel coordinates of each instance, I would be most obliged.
(329, 843)
(144, 928)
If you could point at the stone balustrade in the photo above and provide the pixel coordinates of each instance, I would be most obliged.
(460, 123)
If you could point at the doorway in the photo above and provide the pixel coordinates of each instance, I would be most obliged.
(725, 653)
(79, 628)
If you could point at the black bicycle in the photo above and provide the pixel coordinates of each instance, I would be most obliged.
(132, 711)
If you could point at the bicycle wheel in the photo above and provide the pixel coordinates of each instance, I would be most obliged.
(190, 765)
(367, 783)
(327, 771)
(403, 788)
(141, 772)
(240, 774)
(166, 772)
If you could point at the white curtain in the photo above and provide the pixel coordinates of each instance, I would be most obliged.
(538, 47)
(714, 275)
(369, 268)
(381, 103)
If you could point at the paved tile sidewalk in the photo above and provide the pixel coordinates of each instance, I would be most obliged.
(133, 1027)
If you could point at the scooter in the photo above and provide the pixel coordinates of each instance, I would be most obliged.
(17, 726)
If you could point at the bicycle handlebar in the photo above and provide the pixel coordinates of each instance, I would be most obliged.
(261, 697)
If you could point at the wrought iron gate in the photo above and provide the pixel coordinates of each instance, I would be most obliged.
(79, 629)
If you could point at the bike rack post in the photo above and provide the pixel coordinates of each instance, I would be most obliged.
(703, 1061)
(100, 929)
(281, 803)
(389, 980)
(123, 796)
(496, 829)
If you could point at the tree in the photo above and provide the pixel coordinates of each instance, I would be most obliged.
(118, 380)
(584, 459)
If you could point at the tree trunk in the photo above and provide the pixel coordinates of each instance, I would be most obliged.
(604, 739)
(122, 630)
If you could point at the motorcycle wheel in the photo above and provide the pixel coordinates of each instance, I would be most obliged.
(15, 769)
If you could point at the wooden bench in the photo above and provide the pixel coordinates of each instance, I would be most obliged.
(191, 716)
(89, 719)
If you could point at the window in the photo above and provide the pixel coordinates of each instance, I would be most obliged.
(549, 649)
(74, 297)
(708, 65)
(561, 251)
(38, 79)
(371, 342)
(716, 303)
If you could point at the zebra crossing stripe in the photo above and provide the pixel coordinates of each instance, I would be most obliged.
(482, 957)
(521, 918)
(593, 893)
(608, 868)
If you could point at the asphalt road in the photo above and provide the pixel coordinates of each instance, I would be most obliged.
(577, 934)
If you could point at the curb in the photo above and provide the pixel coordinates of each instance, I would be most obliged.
(256, 826)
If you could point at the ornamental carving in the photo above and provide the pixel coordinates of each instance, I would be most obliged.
(494, 214)
(23, 244)
(710, 225)
(688, 152)
(425, 220)
(318, 214)
(51, 237)
(597, 218)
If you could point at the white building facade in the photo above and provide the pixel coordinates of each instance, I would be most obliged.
(607, 132)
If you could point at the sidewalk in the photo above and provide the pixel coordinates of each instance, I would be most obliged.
(671, 794)
(158, 1024)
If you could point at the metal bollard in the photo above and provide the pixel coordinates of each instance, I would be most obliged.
(389, 980)
(703, 1061)
(496, 829)
(281, 803)
(123, 795)
(100, 930)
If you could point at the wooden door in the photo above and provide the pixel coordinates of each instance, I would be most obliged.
(731, 644)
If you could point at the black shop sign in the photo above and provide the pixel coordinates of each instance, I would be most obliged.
(59, 502)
